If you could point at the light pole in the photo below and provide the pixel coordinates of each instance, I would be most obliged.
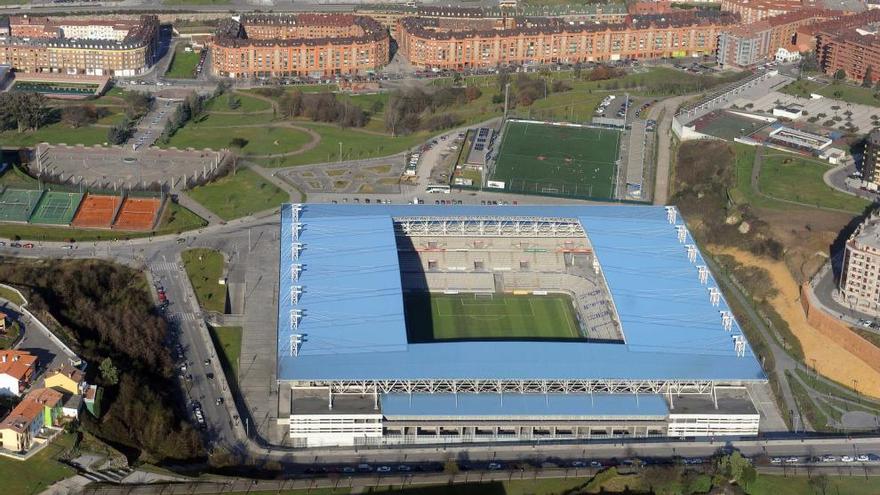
(340, 151)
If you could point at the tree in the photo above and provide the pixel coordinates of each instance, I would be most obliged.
(290, 104)
(472, 93)
(456, 78)
(233, 102)
(238, 142)
(25, 111)
(109, 373)
(78, 115)
(502, 79)
(840, 75)
(869, 75)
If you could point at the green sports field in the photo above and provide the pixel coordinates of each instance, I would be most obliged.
(558, 160)
(56, 208)
(16, 205)
(433, 317)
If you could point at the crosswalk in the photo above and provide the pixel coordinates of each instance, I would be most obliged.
(183, 316)
(164, 266)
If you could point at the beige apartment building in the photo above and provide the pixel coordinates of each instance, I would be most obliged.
(860, 275)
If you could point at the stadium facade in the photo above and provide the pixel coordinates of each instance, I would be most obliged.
(659, 354)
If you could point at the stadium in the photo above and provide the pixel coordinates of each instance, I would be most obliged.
(415, 324)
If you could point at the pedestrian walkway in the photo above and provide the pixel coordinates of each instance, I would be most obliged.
(184, 200)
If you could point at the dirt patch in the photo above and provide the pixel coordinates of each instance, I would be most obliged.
(336, 172)
(314, 184)
(830, 358)
(366, 188)
(340, 184)
(379, 169)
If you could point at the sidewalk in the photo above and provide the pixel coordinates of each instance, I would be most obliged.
(824, 289)
(184, 200)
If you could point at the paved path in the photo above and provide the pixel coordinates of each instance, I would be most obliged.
(836, 178)
(665, 110)
(187, 202)
(295, 195)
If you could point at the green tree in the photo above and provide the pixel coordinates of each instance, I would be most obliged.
(869, 75)
(109, 373)
(840, 75)
(450, 467)
(819, 483)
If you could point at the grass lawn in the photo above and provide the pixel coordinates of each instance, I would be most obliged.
(235, 120)
(355, 145)
(227, 340)
(183, 65)
(37, 473)
(238, 195)
(558, 160)
(796, 178)
(247, 103)
(204, 267)
(55, 133)
(11, 295)
(838, 91)
(432, 317)
(799, 485)
(175, 219)
(16, 178)
(260, 140)
(13, 330)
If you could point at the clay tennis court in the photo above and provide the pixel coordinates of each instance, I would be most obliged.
(137, 214)
(96, 211)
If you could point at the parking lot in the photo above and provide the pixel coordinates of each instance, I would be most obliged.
(150, 126)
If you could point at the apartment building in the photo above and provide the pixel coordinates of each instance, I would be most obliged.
(849, 43)
(66, 46)
(299, 45)
(751, 11)
(468, 43)
(748, 45)
(860, 276)
(41, 408)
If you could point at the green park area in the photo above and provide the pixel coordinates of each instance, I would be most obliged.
(238, 102)
(56, 133)
(204, 267)
(432, 317)
(227, 340)
(837, 90)
(175, 219)
(796, 178)
(239, 194)
(183, 65)
(40, 471)
(258, 140)
(17, 178)
(11, 295)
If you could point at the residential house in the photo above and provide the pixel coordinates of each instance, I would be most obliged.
(66, 379)
(17, 369)
(41, 408)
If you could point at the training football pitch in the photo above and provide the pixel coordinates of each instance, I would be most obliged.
(433, 317)
(558, 160)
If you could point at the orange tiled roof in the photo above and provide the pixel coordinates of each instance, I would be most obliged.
(69, 371)
(17, 364)
(30, 408)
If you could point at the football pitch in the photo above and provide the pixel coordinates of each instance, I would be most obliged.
(433, 317)
(558, 160)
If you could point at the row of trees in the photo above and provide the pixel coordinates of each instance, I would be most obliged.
(106, 313)
(23, 111)
(411, 109)
(321, 107)
(191, 108)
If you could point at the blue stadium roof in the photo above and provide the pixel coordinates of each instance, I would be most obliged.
(353, 321)
(569, 406)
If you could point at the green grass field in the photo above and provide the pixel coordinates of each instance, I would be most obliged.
(227, 340)
(238, 195)
(796, 178)
(247, 103)
(16, 178)
(183, 65)
(204, 267)
(432, 317)
(839, 91)
(37, 473)
(557, 160)
(258, 140)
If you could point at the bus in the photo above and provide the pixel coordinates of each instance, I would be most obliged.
(439, 188)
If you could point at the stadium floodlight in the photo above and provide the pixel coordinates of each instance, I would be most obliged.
(295, 292)
(714, 296)
(296, 249)
(671, 214)
(295, 230)
(692, 252)
(295, 317)
(739, 345)
(295, 270)
(727, 320)
(296, 209)
(682, 233)
(703, 273)
(296, 341)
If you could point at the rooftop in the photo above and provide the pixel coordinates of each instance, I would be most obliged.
(17, 364)
(30, 408)
(352, 324)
